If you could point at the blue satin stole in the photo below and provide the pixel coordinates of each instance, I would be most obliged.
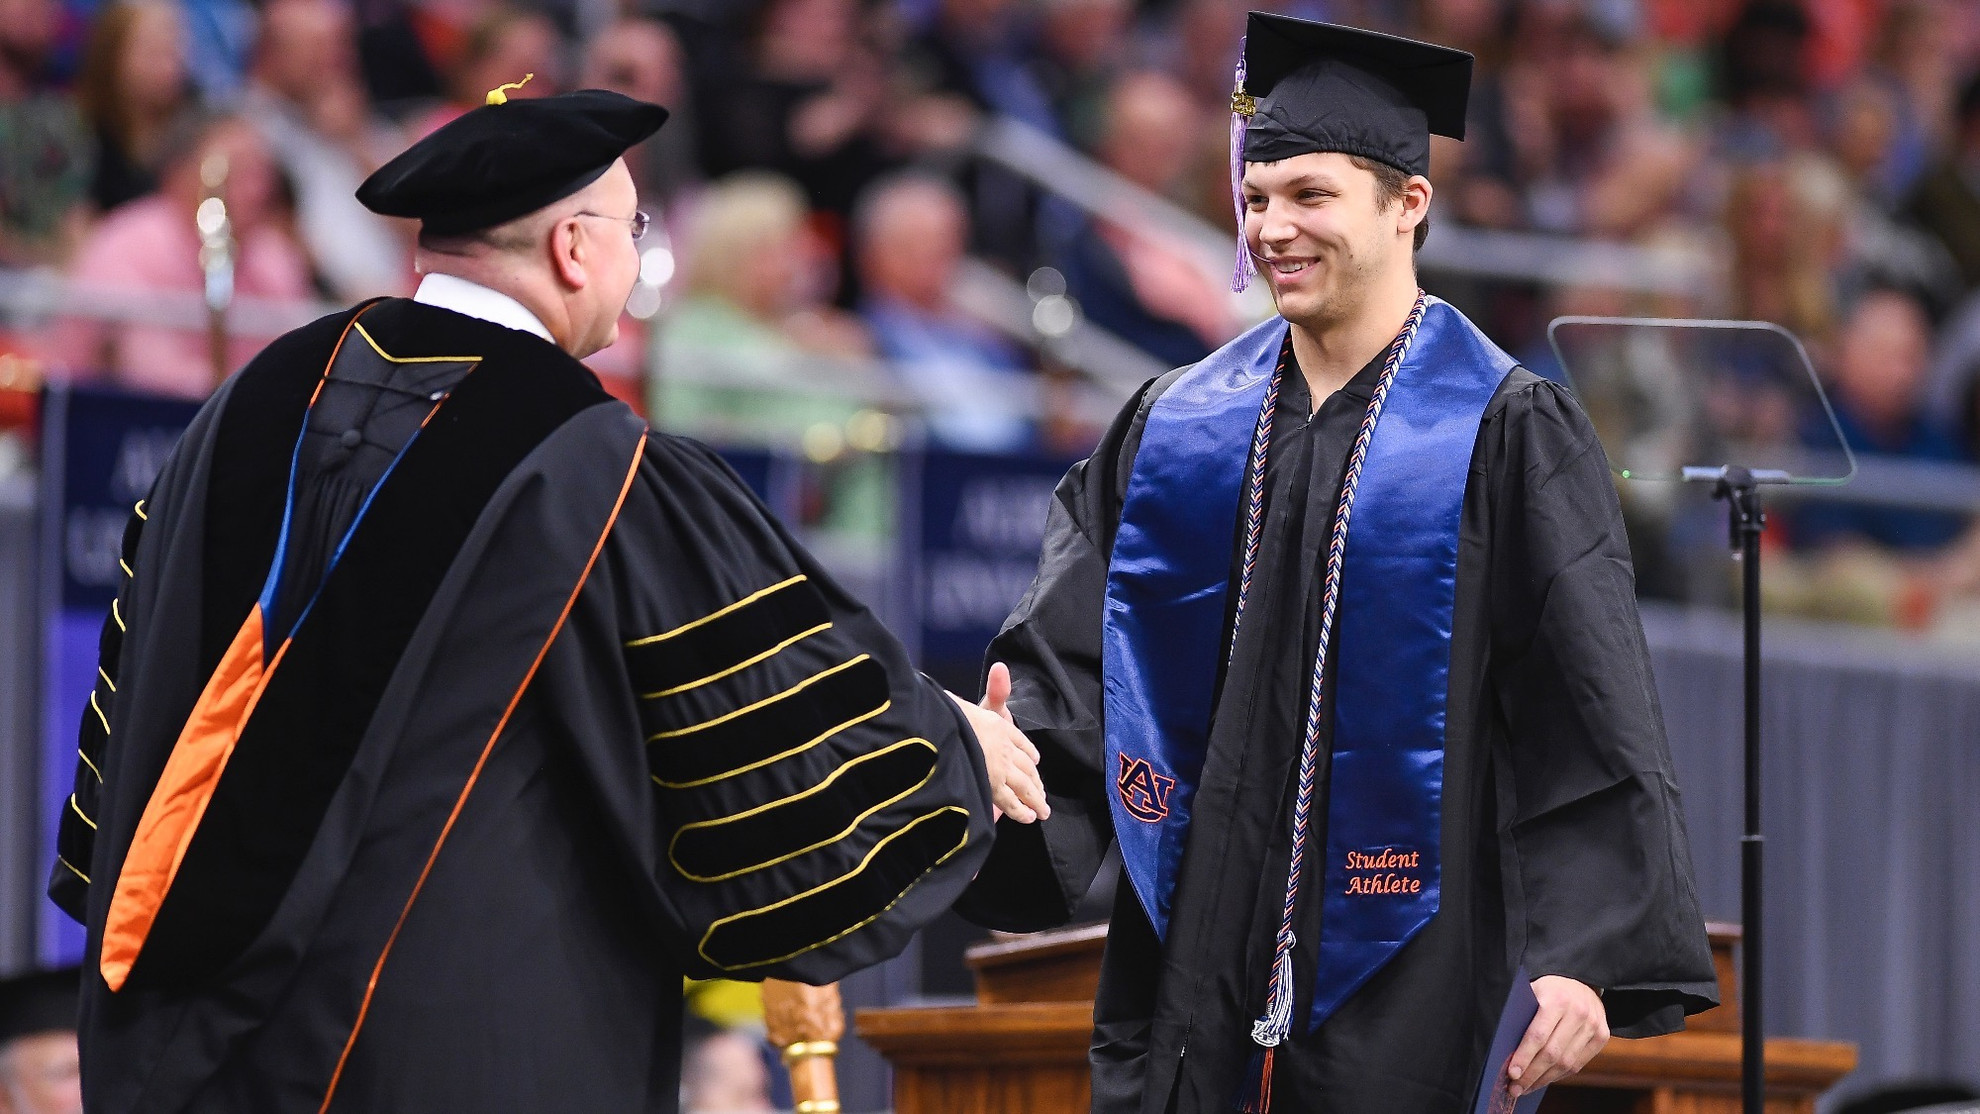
(1168, 592)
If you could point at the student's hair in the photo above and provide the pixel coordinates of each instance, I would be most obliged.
(1390, 184)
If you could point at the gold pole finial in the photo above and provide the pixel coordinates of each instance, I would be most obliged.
(500, 94)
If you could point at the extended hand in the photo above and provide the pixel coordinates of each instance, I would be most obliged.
(1009, 758)
(1569, 1030)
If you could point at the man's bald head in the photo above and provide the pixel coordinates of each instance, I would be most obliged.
(572, 263)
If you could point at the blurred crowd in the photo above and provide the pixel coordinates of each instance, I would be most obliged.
(818, 192)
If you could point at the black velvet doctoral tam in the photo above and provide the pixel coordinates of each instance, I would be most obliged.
(501, 160)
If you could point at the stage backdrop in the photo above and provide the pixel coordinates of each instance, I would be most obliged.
(1870, 773)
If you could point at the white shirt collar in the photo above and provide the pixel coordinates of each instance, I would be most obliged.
(472, 299)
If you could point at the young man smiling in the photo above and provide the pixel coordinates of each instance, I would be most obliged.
(1335, 635)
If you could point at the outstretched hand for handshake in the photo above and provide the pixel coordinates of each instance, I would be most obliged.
(1016, 790)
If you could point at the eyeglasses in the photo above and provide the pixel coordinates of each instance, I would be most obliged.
(639, 220)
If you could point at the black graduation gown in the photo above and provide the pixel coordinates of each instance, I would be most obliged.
(1563, 847)
(572, 718)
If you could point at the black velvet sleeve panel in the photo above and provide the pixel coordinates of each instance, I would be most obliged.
(814, 799)
(75, 839)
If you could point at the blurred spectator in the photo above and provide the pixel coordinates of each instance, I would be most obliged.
(150, 247)
(44, 146)
(398, 69)
(976, 52)
(1874, 249)
(1783, 248)
(40, 1071)
(1579, 148)
(642, 59)
(501, 47)
(753, 350)
(725, 1074)
(309, 102)
(1198, 47)
(1878, 380)
(1947, 201)
(1082, 47)
(756, 278)
(1127, 277)
(808, 105)
(963, 62)
(1765, 81)
(131, 92)
(1955, 365)
(910, 233)
(219, 37)
(1913, 62)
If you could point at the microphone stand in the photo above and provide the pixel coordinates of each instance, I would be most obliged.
(1740, 489)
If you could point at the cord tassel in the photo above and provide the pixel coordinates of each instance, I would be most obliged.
(1269, 1031)
(1258, 1084)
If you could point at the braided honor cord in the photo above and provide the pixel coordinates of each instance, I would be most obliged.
(1254, 502)
(1270, 1030)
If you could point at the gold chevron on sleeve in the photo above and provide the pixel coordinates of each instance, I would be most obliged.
(758, 764)
(714, 615)
(760, 704)
(843, 889)
(753, 659)
(786, 817)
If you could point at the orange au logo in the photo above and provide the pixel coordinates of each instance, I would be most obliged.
(1143, 791)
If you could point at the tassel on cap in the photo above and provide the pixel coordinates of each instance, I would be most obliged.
(500, 94)
(1242, 108)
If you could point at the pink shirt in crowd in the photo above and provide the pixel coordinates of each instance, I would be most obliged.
(150, 246)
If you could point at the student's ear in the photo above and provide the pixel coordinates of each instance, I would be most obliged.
(1415, 204)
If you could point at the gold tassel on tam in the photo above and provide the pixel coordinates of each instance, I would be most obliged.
(500, 94)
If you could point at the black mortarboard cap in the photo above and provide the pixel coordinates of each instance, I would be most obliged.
(1322, 87)
(506, 158)
(41, 1002)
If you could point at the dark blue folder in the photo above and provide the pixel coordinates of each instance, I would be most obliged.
(1493, 1097)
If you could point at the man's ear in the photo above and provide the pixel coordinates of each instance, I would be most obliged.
(568, 252)
(1415, 203)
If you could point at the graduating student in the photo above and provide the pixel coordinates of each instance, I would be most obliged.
(1335, 635)
(449, 716)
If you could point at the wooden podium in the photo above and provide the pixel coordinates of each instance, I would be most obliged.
(1022, 1048)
